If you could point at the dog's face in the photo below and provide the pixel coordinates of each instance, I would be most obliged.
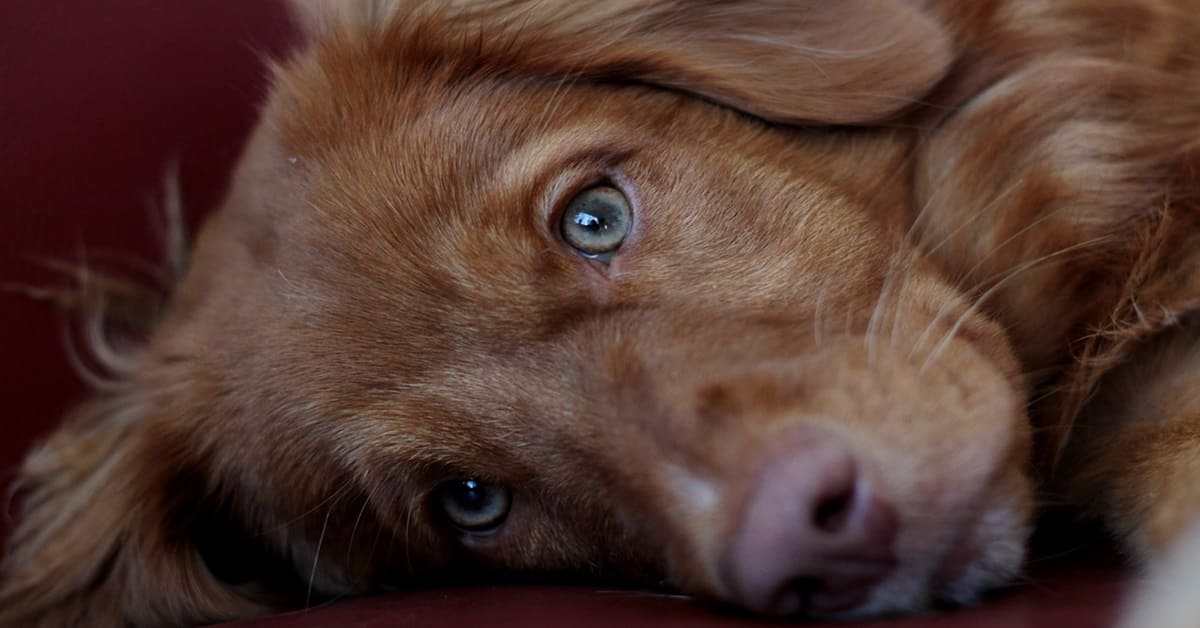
(560, 325)
(521, 323)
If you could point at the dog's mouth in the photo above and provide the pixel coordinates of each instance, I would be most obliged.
(992, 550)
(878, 571)
(982, 559)
(854, 508)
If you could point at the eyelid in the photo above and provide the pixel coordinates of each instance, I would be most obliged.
(560, 179)
(603, 258)
(564, 190)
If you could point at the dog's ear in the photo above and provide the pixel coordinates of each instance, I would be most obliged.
(98, 541)
(315, 18)
(802, 62)
(810, 61)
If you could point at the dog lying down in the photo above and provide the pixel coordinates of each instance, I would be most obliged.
(796, 306)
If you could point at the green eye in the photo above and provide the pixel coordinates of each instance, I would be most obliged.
(472, 506)
(597, 221)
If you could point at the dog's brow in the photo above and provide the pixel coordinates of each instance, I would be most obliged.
(542, 157)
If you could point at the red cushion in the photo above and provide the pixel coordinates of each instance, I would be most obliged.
(98, 99)
(1073, 592)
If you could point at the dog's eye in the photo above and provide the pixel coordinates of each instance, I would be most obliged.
(473, 506)
(597, 221)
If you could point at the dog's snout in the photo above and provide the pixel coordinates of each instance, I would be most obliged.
(813, 535)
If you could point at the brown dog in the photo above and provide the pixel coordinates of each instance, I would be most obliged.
(763, 299)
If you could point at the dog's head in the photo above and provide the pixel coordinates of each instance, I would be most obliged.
(553, 289)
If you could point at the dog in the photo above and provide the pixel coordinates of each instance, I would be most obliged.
(802, 307)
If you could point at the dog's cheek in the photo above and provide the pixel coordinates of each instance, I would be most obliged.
(950, 447)
(550, 542)
(994, 550)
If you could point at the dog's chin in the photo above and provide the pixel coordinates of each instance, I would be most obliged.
(987, 555)
(990, 554)
(921, 589)
(954, 564)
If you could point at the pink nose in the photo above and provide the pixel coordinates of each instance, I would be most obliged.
(814, 537)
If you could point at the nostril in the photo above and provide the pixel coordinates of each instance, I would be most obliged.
(833, 511)
(813, 536)
(833, 486)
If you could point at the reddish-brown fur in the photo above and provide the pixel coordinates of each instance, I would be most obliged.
(934, 229)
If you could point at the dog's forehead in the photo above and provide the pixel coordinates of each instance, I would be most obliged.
(428, 197)
(419, 204)
(423, 166)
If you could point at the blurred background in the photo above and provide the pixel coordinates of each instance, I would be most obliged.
(97, 101)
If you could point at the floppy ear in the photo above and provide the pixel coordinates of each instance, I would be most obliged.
(98, 541)
(317, 17)
(802, 62)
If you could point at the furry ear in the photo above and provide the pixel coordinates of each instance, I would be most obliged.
(803, 62)
(98, 541)
(846, 62)
(317, 17)
(1076, 178)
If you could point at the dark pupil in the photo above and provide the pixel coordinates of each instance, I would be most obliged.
(592, 222)
(470, 495)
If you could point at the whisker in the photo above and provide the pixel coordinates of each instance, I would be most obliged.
(408, 528)
(375, 541)
(877, 314)
(818, 323)
(978, 213)
(335, 494)
(920, 215)
(556, 100)
(354, 528)
(937, 318)
(912, 259)
(974, 307)
(312, 575)
(979, 263)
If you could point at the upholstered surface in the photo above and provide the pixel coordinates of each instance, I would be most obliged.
(1073, 594)
(97, 101)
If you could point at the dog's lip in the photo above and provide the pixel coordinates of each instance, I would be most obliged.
(956, 561)
(954, 566)
(793, 603)
(843, 594)
(852, 592)
(844, 598)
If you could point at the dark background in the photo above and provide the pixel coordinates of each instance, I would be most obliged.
(97, 101)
